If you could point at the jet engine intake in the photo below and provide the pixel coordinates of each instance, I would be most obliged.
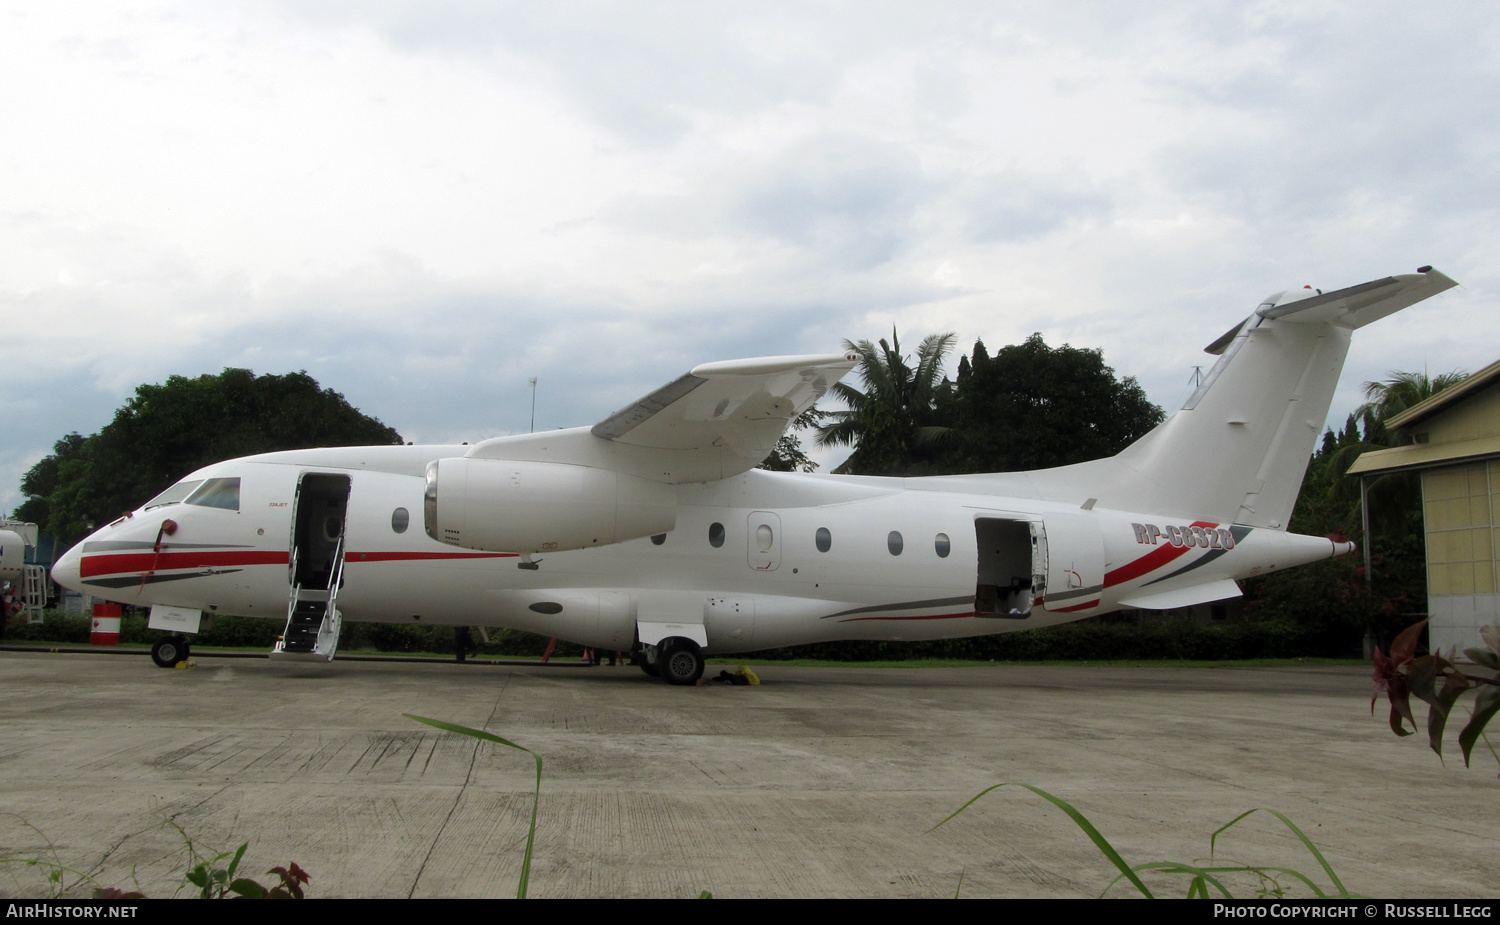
(520, 506)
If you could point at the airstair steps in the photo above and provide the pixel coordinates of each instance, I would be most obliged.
(303, 627)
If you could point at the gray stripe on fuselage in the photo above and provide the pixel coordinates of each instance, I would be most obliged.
(908, 605)
(118, 545)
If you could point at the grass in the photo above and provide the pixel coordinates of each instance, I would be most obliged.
(801, 662)
(536, 795)
(1056, 663)
(215, 881)
(200, 649)
(1200, 877)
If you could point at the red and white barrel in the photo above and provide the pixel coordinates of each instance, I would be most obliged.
(106, 631)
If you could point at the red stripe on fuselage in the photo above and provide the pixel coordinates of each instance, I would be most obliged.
(1077, 607)
(91, 566)
(95, 565)
(1150, 562)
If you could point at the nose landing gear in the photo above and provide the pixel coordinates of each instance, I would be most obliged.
(169, 650)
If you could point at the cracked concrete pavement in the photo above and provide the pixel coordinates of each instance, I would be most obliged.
(820, 782)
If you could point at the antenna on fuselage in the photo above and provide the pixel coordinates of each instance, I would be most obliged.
(533, 404)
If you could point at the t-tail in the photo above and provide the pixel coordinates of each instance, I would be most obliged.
(1238, 449)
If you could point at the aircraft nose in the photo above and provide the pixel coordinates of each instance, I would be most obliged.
(66, 571)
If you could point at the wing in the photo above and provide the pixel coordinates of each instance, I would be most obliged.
(742, 406)
(718, 420)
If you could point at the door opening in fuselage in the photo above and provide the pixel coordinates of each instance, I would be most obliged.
(1007, 568)
(322, 504)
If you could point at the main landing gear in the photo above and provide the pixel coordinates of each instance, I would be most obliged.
(170, 650)
(675, 660)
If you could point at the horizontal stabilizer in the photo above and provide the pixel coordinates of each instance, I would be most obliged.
(1185, 597)
(1352, 307)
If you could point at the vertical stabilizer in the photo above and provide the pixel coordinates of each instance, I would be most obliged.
(1238, 449)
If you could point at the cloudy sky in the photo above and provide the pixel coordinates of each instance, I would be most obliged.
(426, 204)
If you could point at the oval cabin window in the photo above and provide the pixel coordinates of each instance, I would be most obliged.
(823, 539)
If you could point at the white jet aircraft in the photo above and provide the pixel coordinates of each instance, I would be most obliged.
(653, 532)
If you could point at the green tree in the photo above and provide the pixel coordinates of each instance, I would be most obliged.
(1032, 406)
(1389, 397)
(894, 424)
(1394, 497)
(1335, 594)
(788, 455)
(171, 429)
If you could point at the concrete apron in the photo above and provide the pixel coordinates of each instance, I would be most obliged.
(820, 782)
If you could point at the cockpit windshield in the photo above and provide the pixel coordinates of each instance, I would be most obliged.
(220, 493)
(174, 494)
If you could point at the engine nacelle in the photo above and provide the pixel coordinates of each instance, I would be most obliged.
(502, 505)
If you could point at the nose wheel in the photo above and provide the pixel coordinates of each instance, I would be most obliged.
(167, 652)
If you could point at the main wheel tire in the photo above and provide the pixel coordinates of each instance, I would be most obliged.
(650, 669)
(166, 653)
(681, 663)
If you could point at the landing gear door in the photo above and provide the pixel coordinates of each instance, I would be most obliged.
(1074, 560)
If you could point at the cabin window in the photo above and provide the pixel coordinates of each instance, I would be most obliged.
(219, 493)
(893, 542)
(716, 535)
(174, 494)
(942, 545)
(823, 539)
(400, 519)
(658, 538)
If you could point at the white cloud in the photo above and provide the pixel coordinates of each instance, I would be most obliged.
(426, 204)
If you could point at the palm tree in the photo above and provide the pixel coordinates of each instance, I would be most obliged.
(1395, 496)
(1386, 399)
(897, 414)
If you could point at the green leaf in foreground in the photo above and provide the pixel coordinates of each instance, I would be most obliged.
(1099, 840)
(1485, 709)
(1200, 878)
(536, 795)
(1307, 842)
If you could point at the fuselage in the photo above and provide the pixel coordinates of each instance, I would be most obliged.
(760, 560)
